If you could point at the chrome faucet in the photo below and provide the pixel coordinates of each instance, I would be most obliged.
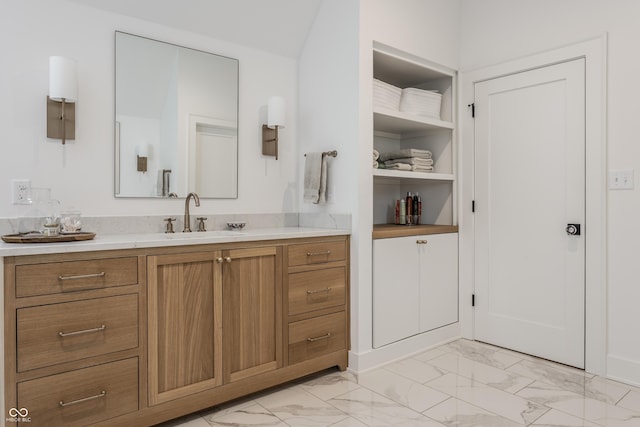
(187, 216)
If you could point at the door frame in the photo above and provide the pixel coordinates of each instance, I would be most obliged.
(594, 51)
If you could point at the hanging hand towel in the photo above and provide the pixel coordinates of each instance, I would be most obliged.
(315, 178)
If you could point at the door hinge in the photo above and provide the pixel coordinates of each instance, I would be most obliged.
(473, 300)
(473, 109)
(473, 206)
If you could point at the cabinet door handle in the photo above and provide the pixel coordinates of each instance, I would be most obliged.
(84, 331)
(82, 276)
(219, 260)
(318, 253)
(322, 337)
(422, 242)
(62, 403)
(227, 259)
(318, 291)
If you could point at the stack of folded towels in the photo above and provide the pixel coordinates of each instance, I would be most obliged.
(408, 159)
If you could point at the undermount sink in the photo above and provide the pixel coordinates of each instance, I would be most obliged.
(203, 234)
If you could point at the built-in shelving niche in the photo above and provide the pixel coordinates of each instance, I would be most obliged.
(395, 129)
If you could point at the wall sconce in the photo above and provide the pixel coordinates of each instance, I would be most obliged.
(275, 119)
(63, 93)
(142, 154)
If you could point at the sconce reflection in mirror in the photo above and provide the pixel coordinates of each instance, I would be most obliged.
(275, 120)
(63, 93)
(142, 154)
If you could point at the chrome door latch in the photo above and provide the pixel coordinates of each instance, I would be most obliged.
(573, 229)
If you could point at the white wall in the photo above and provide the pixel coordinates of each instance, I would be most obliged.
(81, 174)
(336, 111)
(493, 31)
(427, 29)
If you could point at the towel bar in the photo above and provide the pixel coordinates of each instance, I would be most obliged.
(333, 153)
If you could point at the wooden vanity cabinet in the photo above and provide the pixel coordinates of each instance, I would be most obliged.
(252, 322)
(74, 328)
(184, 324)
(317, 300)
(149, 335)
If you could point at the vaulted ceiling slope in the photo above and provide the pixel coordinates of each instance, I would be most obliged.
(276, 26)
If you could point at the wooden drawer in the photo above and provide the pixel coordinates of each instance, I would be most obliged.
(316, 289)
(82, 397)
(69, 276)
(315, 337)
(317, 253)
(89, 328)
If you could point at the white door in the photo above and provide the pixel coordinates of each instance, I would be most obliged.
(529, 185)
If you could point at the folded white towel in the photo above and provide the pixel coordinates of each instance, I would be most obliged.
(315, 178)
(418, 168)
(376, 154)
(398, 166)
(375, 165)
(413, 161)
(406, 152)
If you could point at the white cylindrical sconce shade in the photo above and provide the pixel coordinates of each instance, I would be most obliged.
(63, 79)
(275, 112)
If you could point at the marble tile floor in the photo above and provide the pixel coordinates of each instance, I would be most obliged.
(460, 384)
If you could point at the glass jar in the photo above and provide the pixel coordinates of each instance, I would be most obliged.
(43, 215)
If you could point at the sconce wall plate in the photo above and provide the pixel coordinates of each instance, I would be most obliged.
(142, 164)
(55, 122)
(270, 141)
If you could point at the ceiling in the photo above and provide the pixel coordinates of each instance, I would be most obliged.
(276, 26)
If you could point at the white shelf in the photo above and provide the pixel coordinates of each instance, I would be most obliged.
(427, 176)
(391, 121)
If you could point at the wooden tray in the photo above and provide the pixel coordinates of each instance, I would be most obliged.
(37, 238)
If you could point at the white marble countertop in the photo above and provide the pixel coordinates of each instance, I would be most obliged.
(151, 240)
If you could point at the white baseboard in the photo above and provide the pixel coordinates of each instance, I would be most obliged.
(623, 370)
(374, 358)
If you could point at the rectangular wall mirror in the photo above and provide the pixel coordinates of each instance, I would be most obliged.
(176, 120)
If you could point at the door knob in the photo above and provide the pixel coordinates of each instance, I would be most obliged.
(573, 229)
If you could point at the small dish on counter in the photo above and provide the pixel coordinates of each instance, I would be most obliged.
(236, 225)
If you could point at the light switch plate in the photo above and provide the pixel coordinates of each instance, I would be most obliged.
(621, 179)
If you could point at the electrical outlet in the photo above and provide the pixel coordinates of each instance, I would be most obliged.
(20, 189)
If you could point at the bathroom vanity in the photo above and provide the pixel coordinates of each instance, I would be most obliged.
(141, 329)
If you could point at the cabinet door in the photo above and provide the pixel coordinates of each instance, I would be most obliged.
(395, 290)
(252, 313)
(185, 317)
(438, 280)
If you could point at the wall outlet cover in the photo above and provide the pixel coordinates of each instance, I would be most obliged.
(20, 189)
(621, 179)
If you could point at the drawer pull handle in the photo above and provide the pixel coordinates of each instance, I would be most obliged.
(318, 291)
(323, 337)
(318, 253)
(82, 276)
(62, 403)
(421, 242)
(84, 331)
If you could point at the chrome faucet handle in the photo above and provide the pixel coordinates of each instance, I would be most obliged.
(201, 221)
(169, 228)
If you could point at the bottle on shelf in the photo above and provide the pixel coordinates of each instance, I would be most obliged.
(403, 212)
(409, 204)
